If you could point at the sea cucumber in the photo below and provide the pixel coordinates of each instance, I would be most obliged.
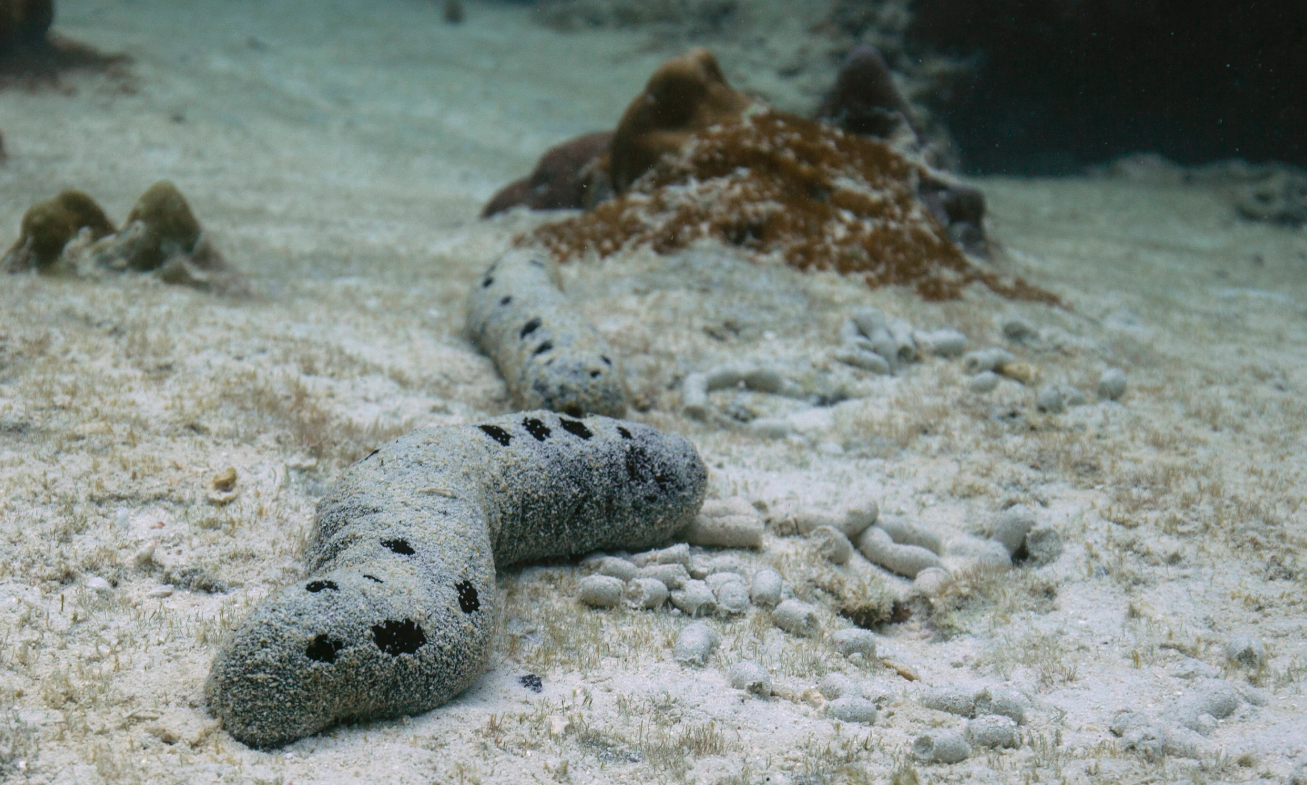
(549, 355)
(397, 611)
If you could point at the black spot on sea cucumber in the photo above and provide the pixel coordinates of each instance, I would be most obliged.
(374, 452)
(529, 328)
(317, 586)
(507, 299)
(544, 347)
(606, 360)
(323, 649)
(490, 279)
(537, 263)
(536, 428)
(595, 374)
(532, 682)
(398, 637)
(399, 546)
(467, 596)
(575, 427)
(625, 433)
(635, 457)
(498, 434)
(373, 578)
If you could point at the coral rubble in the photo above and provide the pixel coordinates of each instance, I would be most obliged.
(685, 96)
(50, 225)
(33, 57)
(72, 233)
(569, 176)
(865, 100)
(774, 183)
(24, 23)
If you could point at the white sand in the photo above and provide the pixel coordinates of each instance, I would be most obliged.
(340, 160)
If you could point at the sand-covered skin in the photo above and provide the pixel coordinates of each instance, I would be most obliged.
(339, 154)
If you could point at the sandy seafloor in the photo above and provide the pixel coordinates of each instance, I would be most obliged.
(339, 153)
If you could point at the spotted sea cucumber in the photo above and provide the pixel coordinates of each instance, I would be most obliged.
(398, 609)
(549, 355)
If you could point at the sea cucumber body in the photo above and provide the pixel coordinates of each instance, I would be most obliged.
(549, 355)
(398, 611)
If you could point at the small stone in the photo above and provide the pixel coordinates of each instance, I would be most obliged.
(906, 560)
(222, 488)
(1043, 545)
(695, 599)
(1072, 396)
(1006, 703)
(1246, 650)
(941, 745)
(982, 360)
(770, 428)
(727, 562)
(645, 593)
(600, 591)
(1019, 372)
(732, 596)
(673, 576)
(931, 581)
(835, 685)
(750, 677)
(1190, 668)
(716, 580)
(676, 554)
(144, 557)
(865, 359)
(725, 531)
(796, 618)
(993, 730)
(159, 593)
(983, 382)
(1050, 399)
(854, 640)
(852, 708)
(953, 700)
(1254, 696)
(695, 644)
(612, 566)
(1013, 526)
(767, 588)
(1018, 330)
(732, 505)
(1111, 385)
(1216, 698)
(831, 544)
(225, 480)
(98, 585)
(969, 551)
(945, 343)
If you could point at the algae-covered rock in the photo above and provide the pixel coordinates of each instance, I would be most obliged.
(170, 226)
(687, 95)
(24, 23)
(569, 176)
(50, 225)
